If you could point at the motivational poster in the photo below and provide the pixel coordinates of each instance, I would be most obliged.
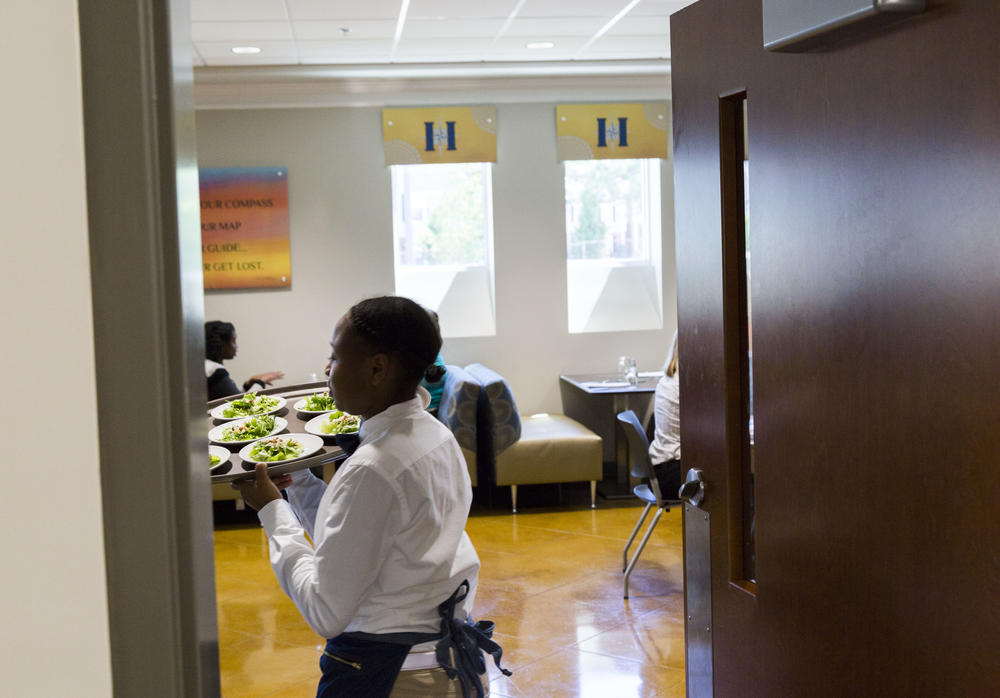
(244, 227)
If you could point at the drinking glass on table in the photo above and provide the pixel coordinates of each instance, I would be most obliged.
(627, 369)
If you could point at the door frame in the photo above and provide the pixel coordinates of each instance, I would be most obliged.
(145, 260)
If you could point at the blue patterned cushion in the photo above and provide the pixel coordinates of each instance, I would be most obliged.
(457, 409)
(500, 422)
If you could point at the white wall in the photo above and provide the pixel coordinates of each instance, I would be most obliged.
(341, 229)
(54, 633)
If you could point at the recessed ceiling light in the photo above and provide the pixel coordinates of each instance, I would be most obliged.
(245, 49)
(541, 44)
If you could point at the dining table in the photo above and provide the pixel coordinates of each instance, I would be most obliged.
(594, 400)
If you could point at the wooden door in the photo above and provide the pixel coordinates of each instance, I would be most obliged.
(874, 223)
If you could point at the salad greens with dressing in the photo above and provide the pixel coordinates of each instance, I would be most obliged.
(319, 403)
(250, 404)
(275, 449)
(213, 460)
(253, 428)
(341, 423)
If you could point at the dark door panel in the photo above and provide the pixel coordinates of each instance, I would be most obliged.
(875, 228)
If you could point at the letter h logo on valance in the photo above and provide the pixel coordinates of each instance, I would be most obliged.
(439, 134)
(603, 131)
(437, 137)
(610, 132)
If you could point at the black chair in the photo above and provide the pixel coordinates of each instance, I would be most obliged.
(648, 490)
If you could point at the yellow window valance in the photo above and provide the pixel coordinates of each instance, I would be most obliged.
(599, 131)
(439, 134)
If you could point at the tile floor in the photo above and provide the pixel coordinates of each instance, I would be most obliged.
(551, 580)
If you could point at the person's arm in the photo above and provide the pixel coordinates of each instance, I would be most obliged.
(304, 496)
(262, 380)
(361, 516)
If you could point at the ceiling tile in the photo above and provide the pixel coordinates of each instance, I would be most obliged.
(576, 8)
(460, 9)
(659, 8)
(216, 49)
(334, 51)
(240, 31)
(628, 47)
(343, 10)
(508, 45)
(546, 27)
(637, 26)
(451, 28)
(435, 30)
(237, 10)
(431, 46)
(330, 30)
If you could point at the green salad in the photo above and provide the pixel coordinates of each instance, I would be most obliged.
(213, 460)
(341, 423)
(253, 428)
(249, 404)
(277, 448)
(319, 403)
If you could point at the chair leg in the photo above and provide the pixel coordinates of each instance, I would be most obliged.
(631, 538)
(513, 499)
(642, 544)
(593, 494)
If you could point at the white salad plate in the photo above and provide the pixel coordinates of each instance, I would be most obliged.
(224, 464)
(217, 411)
(315, 426)
(300, 406)
(310, 445)
(215, 434)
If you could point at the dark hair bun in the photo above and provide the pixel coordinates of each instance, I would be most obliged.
(397, 325)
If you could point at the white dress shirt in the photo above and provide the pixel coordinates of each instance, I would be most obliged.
(389, 541)
(667, 415)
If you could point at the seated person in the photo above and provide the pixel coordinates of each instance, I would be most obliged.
(220, 345)
(665, 451)
(433, 383)
(433, 380)
(388, 533)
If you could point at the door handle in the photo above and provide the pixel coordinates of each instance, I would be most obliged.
(693, 489)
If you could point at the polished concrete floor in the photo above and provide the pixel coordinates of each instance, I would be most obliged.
(551, 580)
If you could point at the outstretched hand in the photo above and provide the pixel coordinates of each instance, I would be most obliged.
(262, 489)
(269, 377)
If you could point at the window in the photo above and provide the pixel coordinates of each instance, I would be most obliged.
(613, 251)
(443, 238)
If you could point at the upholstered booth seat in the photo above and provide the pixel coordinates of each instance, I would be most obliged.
(552, 448)
(458, 411)
(537, 450)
